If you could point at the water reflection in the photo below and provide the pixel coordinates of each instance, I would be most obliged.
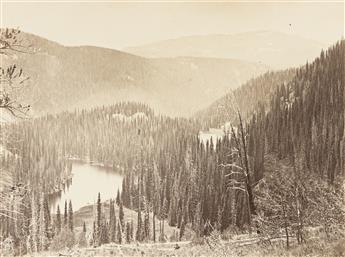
(87, 181)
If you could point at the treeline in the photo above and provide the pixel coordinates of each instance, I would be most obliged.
(247, 98)
(107, 228)
(125, 136)
(304, 126)
(191, 187)
(220, 184)
(33, 158)
(305, 119)
(168, 171)
(108, 135)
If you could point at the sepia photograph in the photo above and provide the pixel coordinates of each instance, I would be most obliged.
(172, 128)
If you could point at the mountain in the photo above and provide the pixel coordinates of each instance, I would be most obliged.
(275, 49)
(306, 116)
(297, 114)
(247, 98)
(63, 78)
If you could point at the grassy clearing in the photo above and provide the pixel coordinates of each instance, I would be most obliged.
(233, 248)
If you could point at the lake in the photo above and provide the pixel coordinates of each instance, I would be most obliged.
(88, 180)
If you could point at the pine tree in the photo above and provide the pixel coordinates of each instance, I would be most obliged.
(147, 225)
(70, 216)
(58, 221)
(118, 197)
(163, 216)
(47, 216)
(42, 232)
(99, 212)
(128, 232)
(139, 223)
(98, 223)
(121, 216)
(139, 232)
(119, 233)
(94, 235)
(112, 222)
(182, 229)
(65, 215)
(104, 239)
(84, 227)
(131, 231)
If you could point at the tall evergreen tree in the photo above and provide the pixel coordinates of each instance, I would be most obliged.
(104, 239)
(58, 221)
(119, 233)
(65, 215)
(118, 198)
(128, 232)
(42, 232)
(98, 223)
(147, 225)
(112, 222)
(47, 212)
(122, 216)
(70, 216)
(99, 211)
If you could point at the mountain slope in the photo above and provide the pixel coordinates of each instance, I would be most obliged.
(306, 118)
(63, 78)
(275, 49)
(298, 112)
(247, 98)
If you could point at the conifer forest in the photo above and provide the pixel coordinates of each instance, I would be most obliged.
(97, 158)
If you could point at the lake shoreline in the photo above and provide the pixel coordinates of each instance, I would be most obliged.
(96, 178)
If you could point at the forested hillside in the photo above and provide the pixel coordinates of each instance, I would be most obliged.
(64, 78)
(305, 119)
(294, 112)
(247, 98)
(302, 126)
(167, 170)
(275, 171)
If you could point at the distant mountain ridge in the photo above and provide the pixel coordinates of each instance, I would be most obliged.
(64, 78)
(275, 49)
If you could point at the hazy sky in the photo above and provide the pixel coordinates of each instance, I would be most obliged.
(117, 25)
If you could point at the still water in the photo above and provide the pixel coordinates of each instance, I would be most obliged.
(87, 181)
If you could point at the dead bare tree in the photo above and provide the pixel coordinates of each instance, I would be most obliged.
(239, 175)
(12, 81)
(12, 78)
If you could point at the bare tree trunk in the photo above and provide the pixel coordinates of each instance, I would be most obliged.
(246, 164)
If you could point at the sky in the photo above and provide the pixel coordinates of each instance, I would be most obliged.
(118, 24)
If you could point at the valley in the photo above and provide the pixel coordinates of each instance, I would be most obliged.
(66, 78)
(175, 148)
